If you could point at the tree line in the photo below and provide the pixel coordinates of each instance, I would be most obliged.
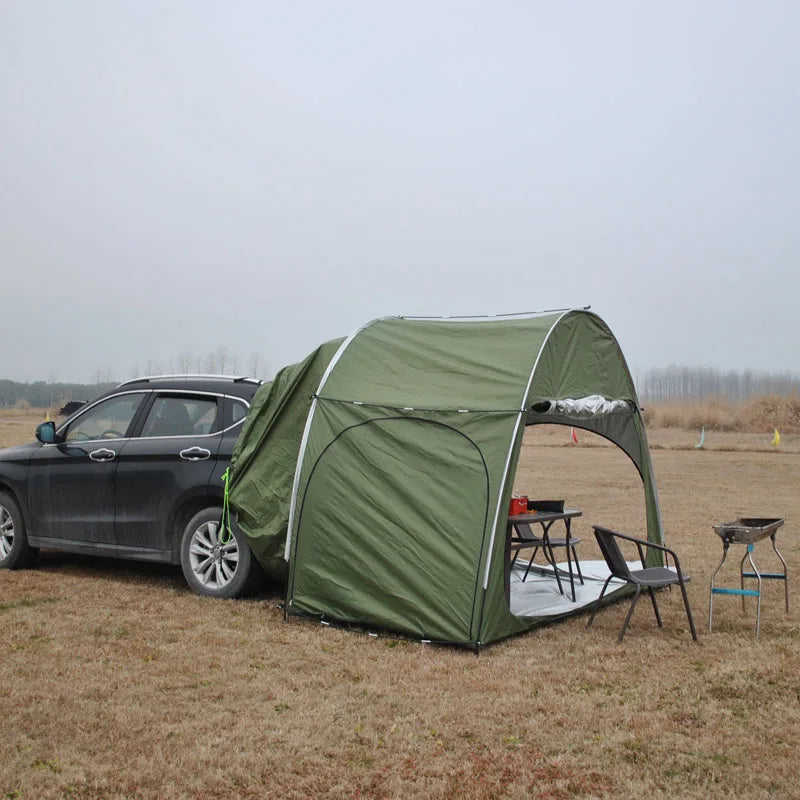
(653, 385)
(700, 383)
(54, 394)
(216, 362)
(44, 394)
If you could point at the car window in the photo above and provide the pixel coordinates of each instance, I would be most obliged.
(107, 420)
(181, 416)
(238, 411)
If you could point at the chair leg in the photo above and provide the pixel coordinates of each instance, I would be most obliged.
(655, 606)
(577, 564)
(630, 614)
(597, 604)
(530, 563)
(551, 560)
(688, 611)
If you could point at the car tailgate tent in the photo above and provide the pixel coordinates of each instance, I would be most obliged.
(403, 474)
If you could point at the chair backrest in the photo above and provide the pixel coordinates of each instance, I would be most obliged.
(524, 532)
(170, 419)
(612, 553)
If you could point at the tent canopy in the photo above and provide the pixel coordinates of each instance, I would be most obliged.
(384, 464)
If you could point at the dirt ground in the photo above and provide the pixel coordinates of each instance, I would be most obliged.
(116, 682)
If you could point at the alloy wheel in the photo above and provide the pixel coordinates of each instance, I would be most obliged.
(212, 560)
(6, 531)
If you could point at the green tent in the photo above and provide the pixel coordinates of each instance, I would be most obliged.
(382, 465)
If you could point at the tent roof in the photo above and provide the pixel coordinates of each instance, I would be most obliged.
(493, 363)
(434, 363)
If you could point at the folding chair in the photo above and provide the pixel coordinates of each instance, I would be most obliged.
(526, 538)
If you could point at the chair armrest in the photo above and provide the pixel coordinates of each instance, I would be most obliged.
(644, 543)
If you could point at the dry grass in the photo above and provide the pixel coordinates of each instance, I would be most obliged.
(116, 682)
(17, 425)
(760, 415)
(678, 438)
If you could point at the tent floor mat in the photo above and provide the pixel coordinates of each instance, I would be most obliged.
(538, 595)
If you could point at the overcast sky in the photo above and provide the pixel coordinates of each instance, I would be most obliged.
(264, 176)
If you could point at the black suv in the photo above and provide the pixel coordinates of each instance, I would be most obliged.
(137, 473)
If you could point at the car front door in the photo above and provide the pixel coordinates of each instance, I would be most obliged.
(71, 484)
(169, 461)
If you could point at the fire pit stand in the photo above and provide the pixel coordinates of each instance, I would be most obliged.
(748, 531)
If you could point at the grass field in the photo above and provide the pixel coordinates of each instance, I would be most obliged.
(116, 682)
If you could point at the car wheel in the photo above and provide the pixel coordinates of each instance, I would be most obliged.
(15, 552)
(212, 566)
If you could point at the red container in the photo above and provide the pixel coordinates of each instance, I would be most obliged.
(519, 505)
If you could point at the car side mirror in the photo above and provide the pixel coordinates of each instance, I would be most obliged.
(46, 433)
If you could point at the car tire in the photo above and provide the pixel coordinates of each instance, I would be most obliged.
(15, 552)
(211, 567)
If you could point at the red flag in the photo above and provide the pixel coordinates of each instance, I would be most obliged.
(574, 436)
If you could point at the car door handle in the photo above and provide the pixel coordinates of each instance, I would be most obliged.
(103, 454)
(195, 454)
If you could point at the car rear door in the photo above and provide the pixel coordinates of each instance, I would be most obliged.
(169, 460)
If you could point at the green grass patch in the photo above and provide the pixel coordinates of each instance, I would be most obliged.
(26, 602)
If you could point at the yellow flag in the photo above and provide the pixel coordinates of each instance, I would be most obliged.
(776, 439)
(47, 417)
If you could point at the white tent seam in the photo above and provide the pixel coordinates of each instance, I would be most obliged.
(306, 431)
(511, 448)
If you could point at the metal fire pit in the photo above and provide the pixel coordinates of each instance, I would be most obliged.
(748, 531)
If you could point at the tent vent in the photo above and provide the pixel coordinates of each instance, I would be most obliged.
(592, 406)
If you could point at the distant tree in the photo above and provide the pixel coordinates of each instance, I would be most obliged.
(223, 359)
(253, 364)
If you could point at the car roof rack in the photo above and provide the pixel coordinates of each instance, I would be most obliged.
(184, 376)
